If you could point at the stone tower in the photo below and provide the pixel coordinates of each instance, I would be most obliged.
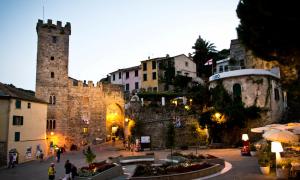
(52, 74)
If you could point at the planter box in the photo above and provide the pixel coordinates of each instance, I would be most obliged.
(181, 176)
(265, 170)
(215, 161)
(105, 175)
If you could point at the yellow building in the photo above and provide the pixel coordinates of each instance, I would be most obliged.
(22, 124)
(158, 73)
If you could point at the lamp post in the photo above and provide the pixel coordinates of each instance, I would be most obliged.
(245, 150)
(276, 147)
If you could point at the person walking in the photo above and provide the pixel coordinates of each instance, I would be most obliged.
(15, 156)
(68, 168)
(41, 157)
(10, 162)
(51, 172)
(73, 171)
(58, 155)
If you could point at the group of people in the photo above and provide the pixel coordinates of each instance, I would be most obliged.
(12, 160)
(39, 155)
(70, 171)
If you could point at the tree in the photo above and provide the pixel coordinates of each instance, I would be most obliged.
(270, 29)
(203, 52)
(89, 155)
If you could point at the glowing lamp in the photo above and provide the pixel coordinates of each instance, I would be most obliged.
(52, 133)
(217, 115)
(245, 137)
(276, 147)
(126, 119)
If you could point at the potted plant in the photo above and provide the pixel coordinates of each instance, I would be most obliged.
(264, 163)
(283, 169)
(252, 150)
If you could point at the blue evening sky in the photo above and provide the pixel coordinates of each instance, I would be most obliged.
(110, 34)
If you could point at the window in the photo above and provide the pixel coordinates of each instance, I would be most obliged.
(127, 87)
(28, 105)
(114, 77)
(237, 91)
(17, 136)
(153, 65)
(154, 75)
(120, 75)
(155, 89)
(18, 120)
(85, 130)
(179, 72)
(18, 104)
(220, 69)
(54, 39)
(144, 66)
(127, 75)
(186, 64)
(51, 124)
(145, 77)
(52, 99)
(136, 73)
(52, 74)
(186, 74)
(52, 57)
(276, 93)
(136, 85)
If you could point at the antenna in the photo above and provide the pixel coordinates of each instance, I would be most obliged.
(43, 9)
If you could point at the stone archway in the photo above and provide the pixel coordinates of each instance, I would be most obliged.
(114, 121)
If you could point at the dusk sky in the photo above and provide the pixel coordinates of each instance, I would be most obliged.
(110, 35)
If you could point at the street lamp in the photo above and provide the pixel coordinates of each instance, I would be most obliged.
(245, 150)
(276, 147)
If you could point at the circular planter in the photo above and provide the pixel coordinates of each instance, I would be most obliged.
(265, 170)
(253, 153)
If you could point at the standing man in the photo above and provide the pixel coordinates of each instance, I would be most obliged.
(68, 168)
(51, 172)
(58, 155)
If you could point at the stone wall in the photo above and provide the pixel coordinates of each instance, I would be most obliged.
(258, 90)
(155, 121)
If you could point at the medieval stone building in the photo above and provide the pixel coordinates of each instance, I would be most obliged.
(79, 113)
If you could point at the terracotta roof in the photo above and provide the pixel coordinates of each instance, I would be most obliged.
(10, 91)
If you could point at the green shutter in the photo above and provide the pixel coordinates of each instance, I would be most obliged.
(17, 136)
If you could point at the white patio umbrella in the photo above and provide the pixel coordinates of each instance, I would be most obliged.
(281, 136)
(260, 129)
(277, 126)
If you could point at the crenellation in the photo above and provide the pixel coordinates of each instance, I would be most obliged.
(80, 84)
(90, 84)
(58, 26)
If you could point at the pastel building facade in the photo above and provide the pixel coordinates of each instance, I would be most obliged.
(155, 71)
(22, 124)
(130, 78)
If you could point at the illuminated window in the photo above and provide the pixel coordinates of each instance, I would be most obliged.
(85, 130)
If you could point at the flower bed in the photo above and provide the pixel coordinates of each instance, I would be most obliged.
(94, 169)
(147, 170)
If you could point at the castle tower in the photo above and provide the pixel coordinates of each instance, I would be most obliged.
(52, 75)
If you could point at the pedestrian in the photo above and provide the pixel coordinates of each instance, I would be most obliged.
(10, 162)
(38, 154)
(41, 157)
(73, 171)
(15, 156)
(58, 155)
(68, 168)
(51, 172)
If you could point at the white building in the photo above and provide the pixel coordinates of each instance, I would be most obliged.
(130, 78)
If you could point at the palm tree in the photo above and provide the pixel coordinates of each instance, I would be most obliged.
(204, 50)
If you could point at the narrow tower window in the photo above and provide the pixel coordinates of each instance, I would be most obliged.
(52, 74)
(54, 39)
(52, 57)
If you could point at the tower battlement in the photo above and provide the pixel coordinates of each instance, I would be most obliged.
(49, 26)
